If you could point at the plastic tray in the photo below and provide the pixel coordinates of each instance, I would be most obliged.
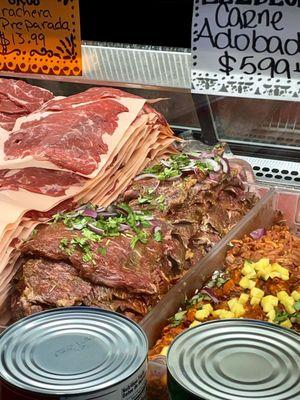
(261, 216)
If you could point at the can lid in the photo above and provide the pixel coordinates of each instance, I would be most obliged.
(237, 359)
(74, 350)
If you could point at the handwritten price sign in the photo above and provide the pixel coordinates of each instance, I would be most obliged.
(247, 48)
(40, 36)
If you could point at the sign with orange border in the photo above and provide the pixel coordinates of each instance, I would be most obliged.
(40, 37)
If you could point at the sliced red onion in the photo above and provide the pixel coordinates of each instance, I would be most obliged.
(112, 208)
(90, 213)
(107, 214)
(165, 163)
(74, 214)
(145, 176)
(149, 218)
(210, 293)
(200, 155)
(124, 227)
(81, 208)
(215, 176)
(94, 229)
(189, 167)
(120, 210)
(157, 229)
(213, 163)
(225, 165)
(258, 233)
(100, 209)
(174, 178)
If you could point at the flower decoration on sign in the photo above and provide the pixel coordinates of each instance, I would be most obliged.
(67, 48)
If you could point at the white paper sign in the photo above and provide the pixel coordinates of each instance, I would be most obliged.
(246, 48)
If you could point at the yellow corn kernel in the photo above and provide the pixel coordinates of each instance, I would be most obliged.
(217, 313)
(227, 314)
(194, 323)
(275, 274)
(282, 295)
(296, 295)
(256, 292)
(255, 300)
(265, 274)
(232, 302)
(201, 314)
(238, 310)
(262, 264)
(280, 272)
(208, 307)
(268, 303)
(271, 315)
(287, 301)
(243, 298)
(290, 309)
(164, 351)
(248, 270)
(286, 324)
(246, 283)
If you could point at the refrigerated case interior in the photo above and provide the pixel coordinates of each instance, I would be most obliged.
(265, 133)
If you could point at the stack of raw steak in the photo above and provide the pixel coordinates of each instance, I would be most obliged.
(18, 99)
(57, 152)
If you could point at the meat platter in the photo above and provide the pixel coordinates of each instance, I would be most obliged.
(101, 208)
(252, 273)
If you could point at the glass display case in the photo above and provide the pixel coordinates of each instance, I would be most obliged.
(264, 133)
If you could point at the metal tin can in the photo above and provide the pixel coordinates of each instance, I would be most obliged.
(76, 353)
(234, 360)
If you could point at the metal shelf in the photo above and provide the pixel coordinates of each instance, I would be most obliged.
(129, 66)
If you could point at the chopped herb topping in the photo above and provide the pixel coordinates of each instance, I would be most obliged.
(297, 306)
(178, 318)
(146, 199)
(195, 300)
(94, 230)
(157, 236)
(151, 201)
(102, 251)
(281, 316)
(218, 279)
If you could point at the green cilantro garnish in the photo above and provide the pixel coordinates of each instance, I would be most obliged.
(281, 316)
(195, 300)
(139, 237)
(95, 230)
(102, 251)
(158, 236)
(203, 166)
(218, 279)
(297, 305)
(63, 243)
(155, 169)
(178, 318)
(146, 199)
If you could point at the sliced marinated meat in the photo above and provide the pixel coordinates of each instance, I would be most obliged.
(38, 180)
(44, 283)
(46, 242)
